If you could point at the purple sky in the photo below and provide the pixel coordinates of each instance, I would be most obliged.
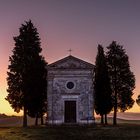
(76, 24)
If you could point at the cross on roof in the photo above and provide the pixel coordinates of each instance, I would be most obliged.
(70, 50)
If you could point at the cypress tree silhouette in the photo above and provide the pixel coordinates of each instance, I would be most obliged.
(103, 99)
(122, 79)
(27, 72)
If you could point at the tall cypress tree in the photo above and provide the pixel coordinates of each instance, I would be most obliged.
(38, 88)
(23, 71)
(122, 79)
(103, 100)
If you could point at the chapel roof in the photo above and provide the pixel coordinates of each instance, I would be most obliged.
(71, 62)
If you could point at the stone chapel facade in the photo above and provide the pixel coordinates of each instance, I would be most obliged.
(70, 91)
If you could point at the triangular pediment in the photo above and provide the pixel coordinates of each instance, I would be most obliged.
(71, 62)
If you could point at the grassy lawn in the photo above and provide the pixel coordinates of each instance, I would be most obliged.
(98, 132)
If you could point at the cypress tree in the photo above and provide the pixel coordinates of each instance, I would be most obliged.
(38, 88)
(103, 100)
(23, 72)
(122, 79)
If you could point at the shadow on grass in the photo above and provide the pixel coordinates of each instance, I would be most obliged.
(96, 132)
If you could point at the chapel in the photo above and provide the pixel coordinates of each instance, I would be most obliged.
(70, 96)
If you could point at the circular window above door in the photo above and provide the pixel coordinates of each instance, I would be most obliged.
(70, 85)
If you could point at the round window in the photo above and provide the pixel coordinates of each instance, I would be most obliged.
(70, 85)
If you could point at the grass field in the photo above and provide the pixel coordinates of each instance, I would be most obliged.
(98, 132)
(121, 132)
(125, 130)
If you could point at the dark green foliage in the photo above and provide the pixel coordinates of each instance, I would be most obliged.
(122, 79)
(103, 100)
(27, 72)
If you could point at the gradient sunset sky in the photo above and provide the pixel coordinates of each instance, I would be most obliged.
(77, 24)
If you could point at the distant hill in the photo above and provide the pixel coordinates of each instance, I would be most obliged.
(6, 120)
(3, 116)
(127, 116)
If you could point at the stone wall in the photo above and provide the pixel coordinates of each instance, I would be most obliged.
(82, 93)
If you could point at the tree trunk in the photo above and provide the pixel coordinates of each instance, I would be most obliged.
(102, 119)
(25, 117)
(36, 120)
(115, 99)
(115, 110)
(115, 116)
(42, 121)
(106, 119)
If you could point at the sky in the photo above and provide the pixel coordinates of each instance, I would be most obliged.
(77, 24)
